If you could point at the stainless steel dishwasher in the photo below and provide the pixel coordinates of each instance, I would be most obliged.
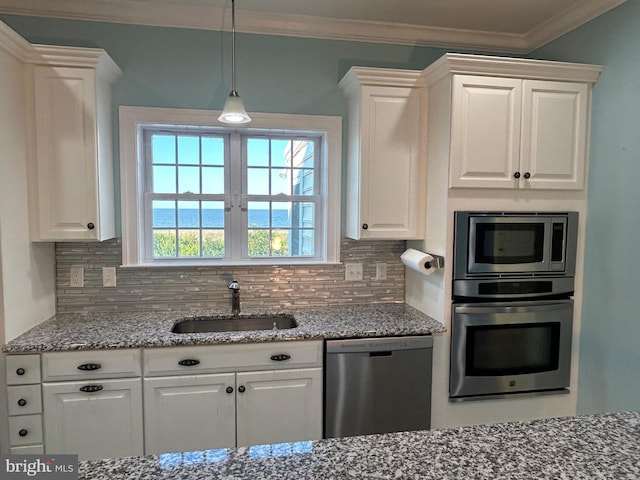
(377, 385)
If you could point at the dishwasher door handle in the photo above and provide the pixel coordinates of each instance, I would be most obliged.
(384, 353)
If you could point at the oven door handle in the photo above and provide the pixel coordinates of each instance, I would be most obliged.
(542, 306)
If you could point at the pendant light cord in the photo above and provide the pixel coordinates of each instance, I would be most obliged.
(233, 47)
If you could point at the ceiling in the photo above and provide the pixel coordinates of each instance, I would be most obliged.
(514, 26)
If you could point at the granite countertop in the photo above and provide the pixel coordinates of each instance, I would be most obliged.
(605, 446)
(86, 331)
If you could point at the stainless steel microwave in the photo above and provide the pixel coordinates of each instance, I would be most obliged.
(514, 255)
(514, 243)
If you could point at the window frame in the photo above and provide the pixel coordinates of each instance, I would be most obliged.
(132, 121)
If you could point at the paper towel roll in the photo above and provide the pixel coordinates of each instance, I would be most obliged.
(419, 261)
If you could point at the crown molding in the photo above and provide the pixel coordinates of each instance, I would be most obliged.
(199, 16)
(14, 44)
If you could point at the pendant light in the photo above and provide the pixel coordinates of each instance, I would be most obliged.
(234, 111)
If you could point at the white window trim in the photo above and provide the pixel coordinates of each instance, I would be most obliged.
(132, 120)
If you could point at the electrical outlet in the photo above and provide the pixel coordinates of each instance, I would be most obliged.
(381, 271)
(352, 272)
(77, 277)
(108, 276)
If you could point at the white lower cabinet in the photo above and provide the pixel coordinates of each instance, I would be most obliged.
(101, 419)
(263, 394)
(279, 406)
(191, 412)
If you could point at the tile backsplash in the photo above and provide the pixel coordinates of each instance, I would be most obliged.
(159, 288)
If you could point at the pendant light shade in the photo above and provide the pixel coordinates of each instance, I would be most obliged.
(234, 111)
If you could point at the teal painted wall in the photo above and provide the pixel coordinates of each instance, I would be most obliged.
(610, 341)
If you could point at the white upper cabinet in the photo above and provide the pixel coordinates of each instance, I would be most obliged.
(513, 123)
(71, 164)
(386, 159)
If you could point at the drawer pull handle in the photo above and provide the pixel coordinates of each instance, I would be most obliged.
(22, 402)
(87, 367)
(189, 362)
(229, 390)
(23, 432)
(21, 371)
(280, 357)
(241, 389)
(91, 388)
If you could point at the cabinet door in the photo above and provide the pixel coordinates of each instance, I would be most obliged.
(185, 413)
(485, 131)
(100, 424)
(391, 173)
(279, 406)
(65, 139)
(554, 134)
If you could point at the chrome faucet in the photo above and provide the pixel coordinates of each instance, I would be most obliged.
(234, 286)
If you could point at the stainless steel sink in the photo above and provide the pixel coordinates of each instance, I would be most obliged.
(234, 324)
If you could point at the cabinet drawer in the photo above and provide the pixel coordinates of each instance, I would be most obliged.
(23, 369)
(237, 357)
(24, 399)
(25, 430)
(90, 364)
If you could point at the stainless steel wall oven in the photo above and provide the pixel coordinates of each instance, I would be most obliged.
(512, 314)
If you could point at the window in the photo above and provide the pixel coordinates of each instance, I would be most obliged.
(196, 193)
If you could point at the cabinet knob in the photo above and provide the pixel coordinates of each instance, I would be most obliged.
(229, 390)
(22, 402)
(90, 226)
(87, 367)
(91, 388)
(23, 432)
(241, 389)
(516, 175)
(189, 362)
(21, 371)
(527, 175)
(365, 226)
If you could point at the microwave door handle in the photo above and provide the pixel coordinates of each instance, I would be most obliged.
(530, 307)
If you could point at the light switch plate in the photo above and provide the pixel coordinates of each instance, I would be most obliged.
(381, 271)
(108, 276)
(352, 272)
(76, 277)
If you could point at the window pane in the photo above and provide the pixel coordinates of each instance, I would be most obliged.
(280, 214)
(213, 243)
(189, 150)
(164, 243)
(258, 181)
(258, 214)
(164, 214)
(164, 179)
(259, 243)
(213, 180)
(212, 151)
(281, 153)
(280, 181)
(188, 180)
(280, 243)
(188, 214)
(213, 214)
(303, 182)
(163, 148)
(188, 243)
(308, 155)
(257, 152)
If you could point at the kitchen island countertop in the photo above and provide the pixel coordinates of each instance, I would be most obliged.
(605, 446)
(87, 331)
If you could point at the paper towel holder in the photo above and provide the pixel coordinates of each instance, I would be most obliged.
(438, 260)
